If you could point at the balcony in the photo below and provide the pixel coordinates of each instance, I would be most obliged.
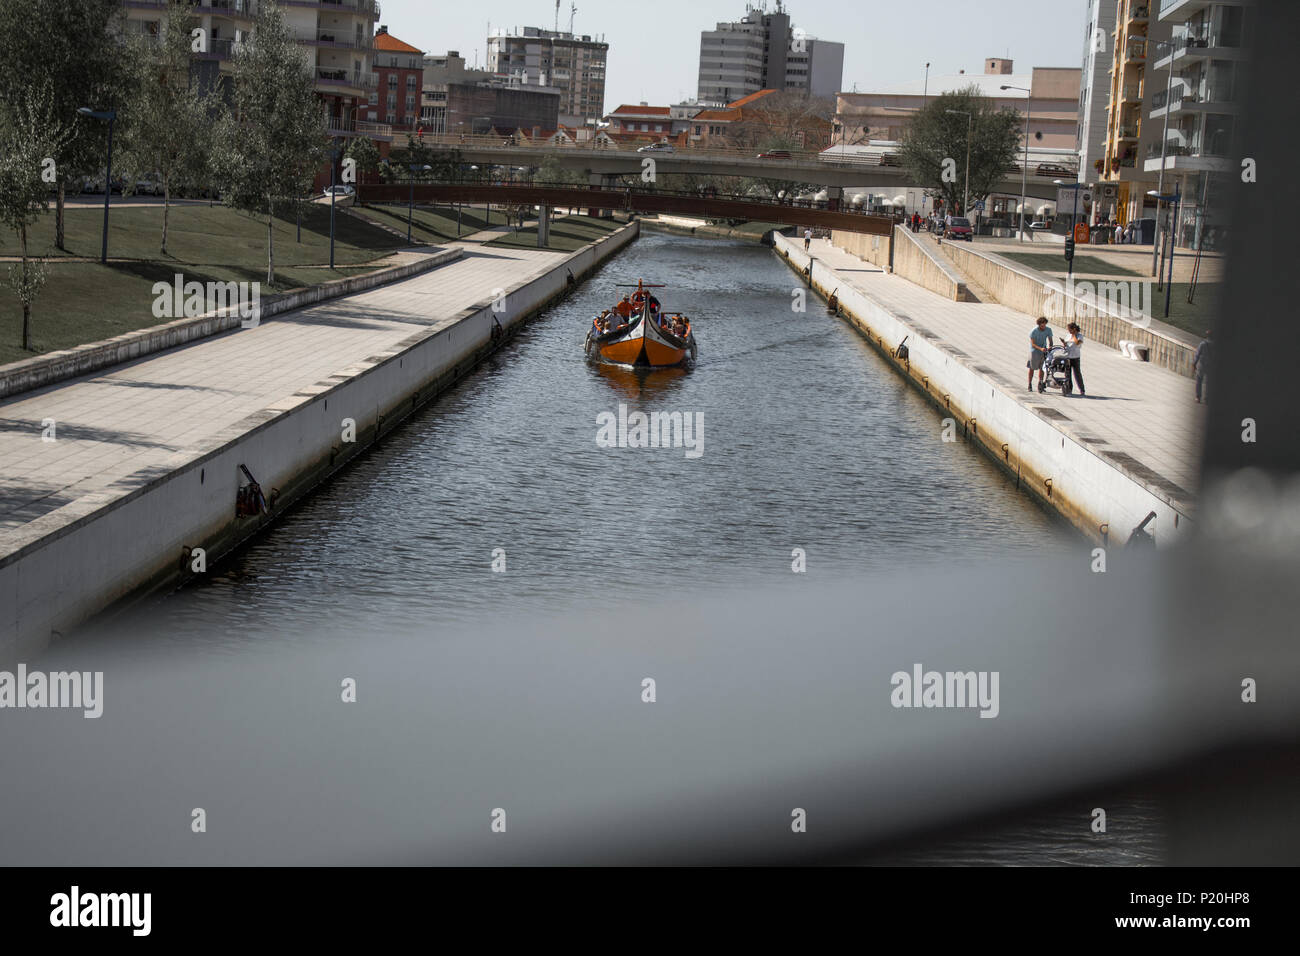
(346, 81)
(368, 8)
(1139, 13)
(1128, 132)
(1136, 49)
(336, 40)
(1132, 93)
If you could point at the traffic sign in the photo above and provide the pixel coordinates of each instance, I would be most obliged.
(980, 205)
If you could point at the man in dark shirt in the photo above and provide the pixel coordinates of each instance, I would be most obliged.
(1201, 364)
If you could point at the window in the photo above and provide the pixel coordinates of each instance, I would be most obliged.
(410, 82)
(390, 119)
(410, 104)
(392, 100)
(374, 99)
(392, 80)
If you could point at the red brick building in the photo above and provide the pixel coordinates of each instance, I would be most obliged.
(400, 66)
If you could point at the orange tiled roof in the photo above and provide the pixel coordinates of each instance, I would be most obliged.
(707, 115)
(386, 41)
(746, 100)
(643, 110)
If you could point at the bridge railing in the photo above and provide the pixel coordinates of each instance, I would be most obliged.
(1054, 168)
(506, 185)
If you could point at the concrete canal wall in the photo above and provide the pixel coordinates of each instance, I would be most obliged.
(144, 540)
(1101, 500)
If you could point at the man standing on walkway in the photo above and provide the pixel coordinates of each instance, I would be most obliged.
(807, 239)
(1201, 365)
(1040, 340)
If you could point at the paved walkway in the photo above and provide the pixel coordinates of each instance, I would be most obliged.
(117, 430)
(1137, 409)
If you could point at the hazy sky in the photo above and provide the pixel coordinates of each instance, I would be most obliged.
(654, 46)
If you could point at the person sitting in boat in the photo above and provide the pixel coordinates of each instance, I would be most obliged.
(679, 327)
(624, 308)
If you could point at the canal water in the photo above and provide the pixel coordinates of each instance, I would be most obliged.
(809, 441)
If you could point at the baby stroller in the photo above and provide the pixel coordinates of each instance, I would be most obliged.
(1056, 371)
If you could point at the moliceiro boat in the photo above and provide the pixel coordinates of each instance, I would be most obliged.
(638, 332)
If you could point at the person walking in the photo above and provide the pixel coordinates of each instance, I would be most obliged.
(1201, 365)
(1073, 352)
(1040, 340)
(807, 239)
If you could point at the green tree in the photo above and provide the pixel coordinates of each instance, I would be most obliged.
(74, 46)
(934, 145)
(30, 137)
(166, 124)
(273, 139)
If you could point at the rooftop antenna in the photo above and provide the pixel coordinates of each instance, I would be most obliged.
(573, 8)
(557, 16)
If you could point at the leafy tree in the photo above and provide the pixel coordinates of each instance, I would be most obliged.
(273, 139)
(167, 123)
(30, 136)
(74, 46)
(938, 132)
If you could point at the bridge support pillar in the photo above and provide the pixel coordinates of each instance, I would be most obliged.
(544, 227)
(834, 198)
(600, 181)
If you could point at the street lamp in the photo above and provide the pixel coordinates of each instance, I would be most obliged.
(109, 115)
(410, 207)
(1176, 198)
(334, 158)
(1024, 166)
(965, 199)
(1164, 145)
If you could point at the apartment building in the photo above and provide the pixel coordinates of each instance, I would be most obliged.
(335, 38)
(1197, 116)
(400, 69)
(763, 51)
(1122, 177)
(1094, 88)
(573, 65)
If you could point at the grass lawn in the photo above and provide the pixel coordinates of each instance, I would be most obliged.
(1054, 262)
(85, 301)
(1195, 317)
(434, 223)
(567, 234)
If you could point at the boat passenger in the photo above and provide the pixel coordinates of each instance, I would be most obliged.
(624, 308)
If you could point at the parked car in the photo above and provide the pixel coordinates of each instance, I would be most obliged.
(958, 227)
(1051, 169)
(340, 192)
(657, 148)
(775, 154)
(147, 187)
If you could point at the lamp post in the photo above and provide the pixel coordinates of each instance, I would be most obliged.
(965, 199)
(334, 157)
(110, 116)
(925, 91)
(1176, 199)
(410, 206)
(1164, 145)
(1024, 166)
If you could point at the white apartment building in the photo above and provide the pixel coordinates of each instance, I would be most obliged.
(1203, 69)
(573, 65)
(763, 51)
